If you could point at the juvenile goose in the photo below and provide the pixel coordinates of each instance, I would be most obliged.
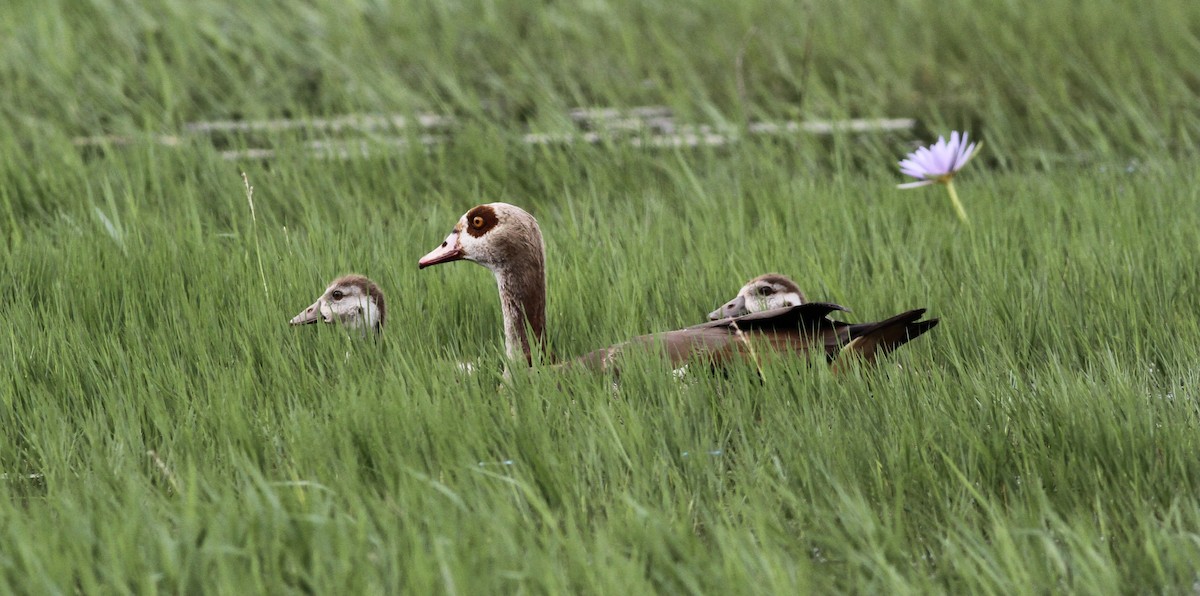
(351, 300)
(764, 292)
(507, 240)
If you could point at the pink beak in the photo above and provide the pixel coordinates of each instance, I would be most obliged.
(732, 309)
(311, 314)
(450, 250)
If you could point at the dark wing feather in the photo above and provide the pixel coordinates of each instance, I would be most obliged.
(870, 340)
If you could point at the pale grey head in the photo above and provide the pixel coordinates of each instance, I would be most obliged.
(764, 292)
(353, 301)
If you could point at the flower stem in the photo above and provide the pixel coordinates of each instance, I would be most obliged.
(962, 214)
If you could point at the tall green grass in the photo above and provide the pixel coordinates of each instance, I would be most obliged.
(1042, 437)
(166, 431)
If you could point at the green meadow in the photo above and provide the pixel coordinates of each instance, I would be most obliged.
(166, 431)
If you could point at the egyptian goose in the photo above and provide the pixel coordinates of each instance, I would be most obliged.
(507, 240)
(351, 300)
(764, 292)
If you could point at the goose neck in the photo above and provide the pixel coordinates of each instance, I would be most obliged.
(523, 304)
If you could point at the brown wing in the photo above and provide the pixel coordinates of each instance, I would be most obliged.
(796, 329)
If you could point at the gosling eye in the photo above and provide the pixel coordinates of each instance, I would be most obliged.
(337, 295)
(766, 291)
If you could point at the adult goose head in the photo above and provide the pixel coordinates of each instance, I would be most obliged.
(351, 300)
(507, 240)
(764, 292)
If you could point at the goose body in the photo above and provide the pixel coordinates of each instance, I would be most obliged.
(353, 301)
(801, 329)
(764, 292)
(507, 240)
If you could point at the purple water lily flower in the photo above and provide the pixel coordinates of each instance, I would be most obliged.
(938, 163)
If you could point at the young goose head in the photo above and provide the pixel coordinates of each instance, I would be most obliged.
(507, 240)
(351, 300)
(764, 292)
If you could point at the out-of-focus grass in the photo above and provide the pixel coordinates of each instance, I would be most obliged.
(1038, 80)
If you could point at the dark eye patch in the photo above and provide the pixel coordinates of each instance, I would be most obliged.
(480, 220)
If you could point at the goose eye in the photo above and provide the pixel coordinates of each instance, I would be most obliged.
(766, 291)
(337, 295)
(477, 222)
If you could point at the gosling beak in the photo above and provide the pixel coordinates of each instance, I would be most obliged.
(309, 315)
(732, 309)
(450, 250)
